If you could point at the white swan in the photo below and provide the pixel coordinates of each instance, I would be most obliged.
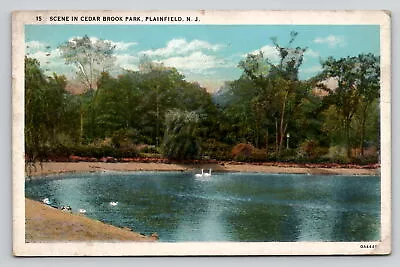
(82, 211)
(113, 203)
(66, 208)
(208, 174)
(200, 174)
(46, 201)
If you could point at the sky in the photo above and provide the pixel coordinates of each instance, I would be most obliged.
(208, 54)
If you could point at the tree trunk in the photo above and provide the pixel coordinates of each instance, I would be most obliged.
(276, 137)
(363, 121)
(282, 134)
(257, 134)
(282, 130)
(157, 120)
(81, 128)
(347, 129)
(266, 143)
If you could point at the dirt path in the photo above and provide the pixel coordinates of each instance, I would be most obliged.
(46, 224)
(61, 167)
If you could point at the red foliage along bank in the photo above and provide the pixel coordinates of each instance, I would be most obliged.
(74, 158)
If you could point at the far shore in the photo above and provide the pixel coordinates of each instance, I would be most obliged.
(289, 168)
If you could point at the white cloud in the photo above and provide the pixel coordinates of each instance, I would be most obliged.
(196, 62)
(311, 53)
(35, 45)
(272, 54)
(51, 61)
(331, 40)
(47, 58)
(121, 46)
(182, 47)
(269, 52)
(127, 61)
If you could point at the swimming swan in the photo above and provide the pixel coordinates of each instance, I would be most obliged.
(200, 174)
(112, 203)
(46, 201)
(82, 211)
(208, 174)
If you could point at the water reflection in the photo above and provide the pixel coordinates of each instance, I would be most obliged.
(224, 207)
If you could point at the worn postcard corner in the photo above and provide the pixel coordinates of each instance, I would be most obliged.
(172, 133)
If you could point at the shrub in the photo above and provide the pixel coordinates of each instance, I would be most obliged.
(148, 149)
(124, 138)
(258, 155)
(216, 150)
(311, 151)
(337, 154)
(103, 151)
(242, 152)
(288, 155)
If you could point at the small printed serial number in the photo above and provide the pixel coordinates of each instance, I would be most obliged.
(367, 246)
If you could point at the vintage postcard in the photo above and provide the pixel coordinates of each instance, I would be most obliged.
(174, 133)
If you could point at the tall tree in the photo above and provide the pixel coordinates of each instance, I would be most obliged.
(90, 57)
(111, 109)
(47, 111)
(280, 90)
(345, 96)
(357, 87)
(36, 133)
(368, 84)
(181, 139)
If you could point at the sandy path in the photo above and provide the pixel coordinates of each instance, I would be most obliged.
(61, 167)
(44, 223)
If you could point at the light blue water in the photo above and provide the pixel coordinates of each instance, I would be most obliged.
(225, 207)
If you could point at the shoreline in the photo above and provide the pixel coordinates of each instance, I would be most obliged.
(282, 168)
(47, 224)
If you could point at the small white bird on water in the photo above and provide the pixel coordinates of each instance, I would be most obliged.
(46, 201)
(113, 203)
(208, 174)
(82, 211)
(200, 174)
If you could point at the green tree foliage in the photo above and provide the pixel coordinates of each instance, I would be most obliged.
(357, 87)
(239, 119)
(157, 106)
(49, 112)
(181, 140)
(368, 84)
(90, 57)
(278, 92)
(35, 127)
(109, 106)
(136, 103)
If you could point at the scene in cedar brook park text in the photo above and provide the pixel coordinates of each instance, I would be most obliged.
(174, 133)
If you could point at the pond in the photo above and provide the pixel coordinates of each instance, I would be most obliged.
(224, 207)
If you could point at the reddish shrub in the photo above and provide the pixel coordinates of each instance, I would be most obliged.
(242, 151)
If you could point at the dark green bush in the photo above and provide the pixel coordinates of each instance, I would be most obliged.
(258, 155)
(216, 150)
(366, 160)
(150, 149)
(103, 151)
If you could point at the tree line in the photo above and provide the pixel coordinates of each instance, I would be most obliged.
(268, 111)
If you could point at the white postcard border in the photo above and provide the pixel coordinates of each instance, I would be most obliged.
(20, 248)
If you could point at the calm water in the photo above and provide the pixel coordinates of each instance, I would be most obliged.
(225, 207)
